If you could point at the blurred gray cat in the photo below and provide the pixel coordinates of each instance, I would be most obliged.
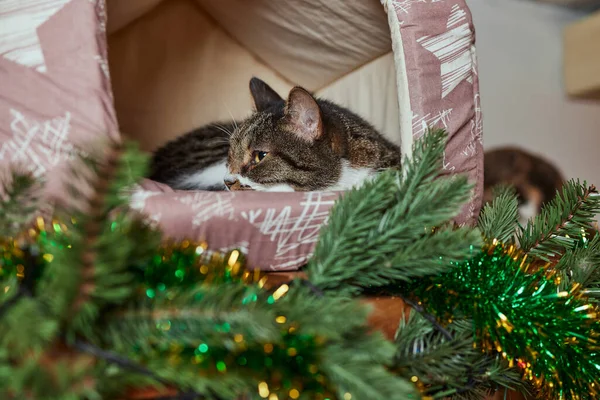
(302, 144)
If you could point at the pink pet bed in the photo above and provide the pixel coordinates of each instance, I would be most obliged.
(175, 65)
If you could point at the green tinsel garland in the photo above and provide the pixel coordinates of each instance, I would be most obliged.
(518, 311)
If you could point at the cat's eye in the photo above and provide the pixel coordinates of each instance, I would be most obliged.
(259, 155)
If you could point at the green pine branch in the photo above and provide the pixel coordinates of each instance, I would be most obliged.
(48, 375)
(499, 219)
(19, 200)
(383, 232)
(448, 368)
(359, 367)
(581, 265)
(561, 222)
(91, 259)
(233, 322)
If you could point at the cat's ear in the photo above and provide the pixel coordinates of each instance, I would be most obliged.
(263, 95)
(303, 115)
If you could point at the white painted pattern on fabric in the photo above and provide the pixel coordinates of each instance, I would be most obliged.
(290, 232)
(103, 63)
(404, 6)
(137, 200)
(453, 49)
(242, 246)
(476, 130)
(209, 205)
(38, 145)
(440, 119)
(19, 20)
(100, 6)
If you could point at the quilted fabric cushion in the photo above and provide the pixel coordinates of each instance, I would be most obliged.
(56, 102)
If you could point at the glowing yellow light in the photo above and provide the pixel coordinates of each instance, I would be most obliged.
(233, 258)
(294, 394)
(280, 291)
(273, 396)
(414, 379)
(347, 396)
(562, 294)
(262, 282)
(281, 319)
(48, 257)
(268, 348)
(204, 269)
(238, 338)
(263, 390)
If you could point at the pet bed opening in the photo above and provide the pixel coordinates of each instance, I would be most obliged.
(179, 64)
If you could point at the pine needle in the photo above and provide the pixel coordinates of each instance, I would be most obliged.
(562, 221)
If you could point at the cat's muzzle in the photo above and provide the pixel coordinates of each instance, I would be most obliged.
(234, 184)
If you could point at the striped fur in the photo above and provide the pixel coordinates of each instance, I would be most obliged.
(306, 144)
(181, 159)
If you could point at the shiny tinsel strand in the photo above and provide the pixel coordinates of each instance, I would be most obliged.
(519, 312)
(286, 369)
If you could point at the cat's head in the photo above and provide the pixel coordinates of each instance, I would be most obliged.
(283, 145)
(534, 179)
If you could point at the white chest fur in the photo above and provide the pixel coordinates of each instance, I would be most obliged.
(352, 177)
(205, 179)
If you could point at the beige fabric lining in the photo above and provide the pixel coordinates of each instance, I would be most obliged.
(123, 12)
(402, 88)
(185, 63)
(371, 92)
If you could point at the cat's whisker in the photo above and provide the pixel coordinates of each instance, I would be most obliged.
(231, 115)
(223, 129)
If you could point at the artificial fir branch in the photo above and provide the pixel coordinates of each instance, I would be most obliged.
(18, 202)
(498, 219)
(581, 265)
(562, 221)
(443, 366)
(245, 320)
(101, 239)
(384, 232)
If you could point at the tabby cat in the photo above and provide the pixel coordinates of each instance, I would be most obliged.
(298, 144)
